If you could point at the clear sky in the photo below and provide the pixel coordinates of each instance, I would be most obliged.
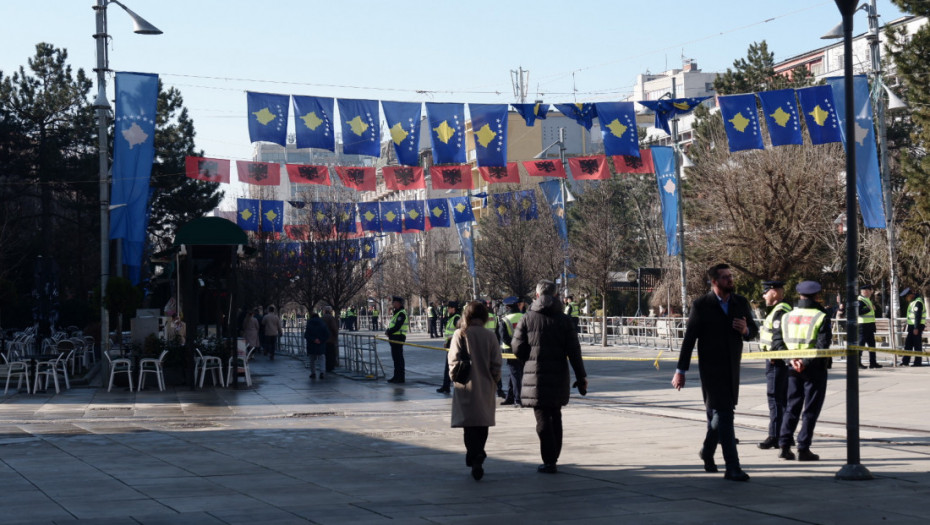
(214, 51)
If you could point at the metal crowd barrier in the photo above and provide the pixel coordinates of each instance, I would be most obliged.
(360, 355)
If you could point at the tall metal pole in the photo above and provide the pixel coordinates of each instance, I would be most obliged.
(681, 213)
(102, 107)
(564, 208)
(853, 469)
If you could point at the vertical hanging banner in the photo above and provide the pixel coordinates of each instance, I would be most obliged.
(207, 170)
(465, 239)
(313, 122)
(133, 154)
(589, 168)
(552, 191)
(583, 114)
(370, 216)
(308, 174)
(461, 209)
(267, 114)
(403, 121)
(258, 173)
(345, 217)
(525, 202)
(369, 248)
(447, 132)
(820, 113)
(780, 108)
(404, 177)
(451, 177)
(391, 217)
(669, 108)
(358, 178)
(531, 112)
(361, 127)
(631, 164)
(503, 203)
(741, 121)
(664, 159)
(545, 168)
(414, 215)
(509, 174)
(322, 216)
(272, 216)
(438, 212)
(618, 128)
(247, 214)
(868, 177)
(489, 127)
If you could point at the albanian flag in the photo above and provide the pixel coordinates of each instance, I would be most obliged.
(589, 168)
(631, 164)
(451, 177)
(545, 168)
(259, 173)
(501, 174)
(404, 177)
(357, 178)
(208, 170)
(308, 174)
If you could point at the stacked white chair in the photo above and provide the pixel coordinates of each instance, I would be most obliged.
(47, 369)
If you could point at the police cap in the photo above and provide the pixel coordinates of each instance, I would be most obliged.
(865, 286)
(397, 299)
(768, 285)
(510, 301)
(905, 291)
(453, 304)
(808, 287)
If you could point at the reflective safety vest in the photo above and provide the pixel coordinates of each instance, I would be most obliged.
(767, 334)
(510, 322)
(374, 312)
(868, 317)
(431, 312)
(403, 328)
(451, 325)
(344, 314)
(912, 312)
(491, 324)
(799, 328)
(572, 309)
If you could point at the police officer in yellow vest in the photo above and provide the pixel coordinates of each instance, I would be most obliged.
(375, 325)
(866, 321)
(804, 328)
(452, 324)
(505, 333)
(916, 312)
(433, 318)
(572, 310)
(776, 371)
(397, 333)
(492, 325)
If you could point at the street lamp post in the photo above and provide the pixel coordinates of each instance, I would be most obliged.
(102, 106)
(562, 192)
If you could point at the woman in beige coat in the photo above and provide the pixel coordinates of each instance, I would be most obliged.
(473, 403)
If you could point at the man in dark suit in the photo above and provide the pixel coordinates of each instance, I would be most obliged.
(719, 323)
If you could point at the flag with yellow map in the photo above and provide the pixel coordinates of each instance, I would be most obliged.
(668, 108)
(618, 128)
(780, 108)
(741, 121)
(489, 127)
(361, 127)
(403, 122)
(267, 117)
(272, 216)
(247, 213)
(313, 122)
(820, 114)
(447, 131)
(415, 215)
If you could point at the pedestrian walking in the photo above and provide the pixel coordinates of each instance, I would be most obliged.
(546, 342)
(473, 404)
(451, 325)
(916, 312)
(250, 329)
(719, 323)
(316, 335)
(272, 329)
(506, 328)
(332, 343)
(397, 334)
(776, 371)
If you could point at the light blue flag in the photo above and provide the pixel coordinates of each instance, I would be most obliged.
(247, 214)
(447, 132)
(410, 246)
(370, 216)
(267, 114)
(461, 209)
(133, 154)
(489, 125)
(618, 128)
(438, 213)
(468, 251)
(741, 121)
(272, 216)
(780, 108)
(361, 127)
(664, 159)
(313, 122)
(868, 177)
(403, 121)
(552, 191)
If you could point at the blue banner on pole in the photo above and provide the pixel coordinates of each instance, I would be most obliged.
(464, 229)
(664, 159)
(552, 190)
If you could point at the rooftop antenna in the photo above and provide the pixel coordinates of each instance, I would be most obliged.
(520, 79)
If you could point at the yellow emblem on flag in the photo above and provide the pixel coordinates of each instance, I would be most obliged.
(413, 214)
(616, 128)
(501, 209)
(369, 216)
(739, 122)
(311, 120)
(270, 215)
(367, 248)
(460, 207)
(536, 109)
(781, 117)
(579, 106)
(246, 214)
(358, 126)
(263, 116)
(485, 135)
(444, 131)
(398, 134)
(820, 116)
(437, 211)
(320, 216)
(344, 216)
(684, 106)
(526, 204)
(390, 216)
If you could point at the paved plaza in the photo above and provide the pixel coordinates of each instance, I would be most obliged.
(341, 450)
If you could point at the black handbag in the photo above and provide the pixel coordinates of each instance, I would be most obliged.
(462, 370)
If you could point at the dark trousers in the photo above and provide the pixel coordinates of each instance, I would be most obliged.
(914, 343)
(867, 338)
(577, 322)
(475, 439)
(397, 355)
(549, 430)
(374, 323)
(720, 430)
(433, 325)
(515, 382)
(269, 345)
(776, 390)
(806, 393)
(332, 356)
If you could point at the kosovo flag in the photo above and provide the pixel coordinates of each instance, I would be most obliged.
(345, 217)
(313, 121)
(322, 216)
(489, 126)
(272, 216)
(447, 132)
(391, 215)
(531, 112)
(267, 117)
(618, 128)
(741, 121)
(461, 209)
(583, 114)
(438, 212)
(353, 250)
(403, 121)
(502, 205)
(361, 127)
(370, 215)
(247, 213)
(414, 215)
(820, 114)
(668, 108)
(781, 116)
(664, 159)
(526, 205)
(369, 248)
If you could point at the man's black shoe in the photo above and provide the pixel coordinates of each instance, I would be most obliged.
(547, 468)
(786, 453)
(442, 390)
(875, 365)
(862, 366)
(477, 472)
(507, 402)
(736, 475)
(395, 380)
(709, 465)
(806, 455)
(770, 442)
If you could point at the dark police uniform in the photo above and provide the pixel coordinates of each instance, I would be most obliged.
(915, 322)
(866, 321)
(448, 332)
(776, 371)
(505, 333)
(397, 333)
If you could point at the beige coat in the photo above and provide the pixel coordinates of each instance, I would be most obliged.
(473, 404)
